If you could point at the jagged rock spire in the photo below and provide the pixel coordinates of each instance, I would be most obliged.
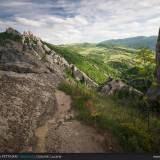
(158, 59)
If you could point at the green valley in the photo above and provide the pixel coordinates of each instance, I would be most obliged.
(100, 62)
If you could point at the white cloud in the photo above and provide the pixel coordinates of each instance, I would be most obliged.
(88, 20)
(28, 22)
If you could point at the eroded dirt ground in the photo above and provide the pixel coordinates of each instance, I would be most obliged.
(63, 133)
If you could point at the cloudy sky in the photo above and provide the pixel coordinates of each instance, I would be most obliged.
(72, 21)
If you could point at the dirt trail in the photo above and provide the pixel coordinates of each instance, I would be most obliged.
(63, 133)
(57, 119)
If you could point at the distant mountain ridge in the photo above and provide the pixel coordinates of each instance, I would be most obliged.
(133, 42)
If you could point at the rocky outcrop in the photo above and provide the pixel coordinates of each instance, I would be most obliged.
(27, 90)
(29, 74)
(82, 77)
(31, 42)
(112, 86)
(54, 58)
(153, 92)
(43, 52)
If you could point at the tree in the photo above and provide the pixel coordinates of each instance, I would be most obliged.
(145, 64)
(145, 59)
(158, 59)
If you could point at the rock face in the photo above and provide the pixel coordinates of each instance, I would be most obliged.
(53, 58)
(28, 79)
(112, 86)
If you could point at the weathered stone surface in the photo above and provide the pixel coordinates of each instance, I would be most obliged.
(31, 42)
(27, 86)
(48, 50)
(112, 86)
(21, 62)
(25, 102)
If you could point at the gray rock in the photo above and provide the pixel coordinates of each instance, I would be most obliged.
(46, 48)
(27, 100)
(27, 91)
(112, 86)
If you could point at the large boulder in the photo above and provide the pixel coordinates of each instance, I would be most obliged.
(112, 86)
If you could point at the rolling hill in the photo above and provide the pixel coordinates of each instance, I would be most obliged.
(101, 62)
(133, 42)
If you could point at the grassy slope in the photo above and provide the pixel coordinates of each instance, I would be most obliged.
(96, 61)
(134, 42)
(99, 62)
(124, 117)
